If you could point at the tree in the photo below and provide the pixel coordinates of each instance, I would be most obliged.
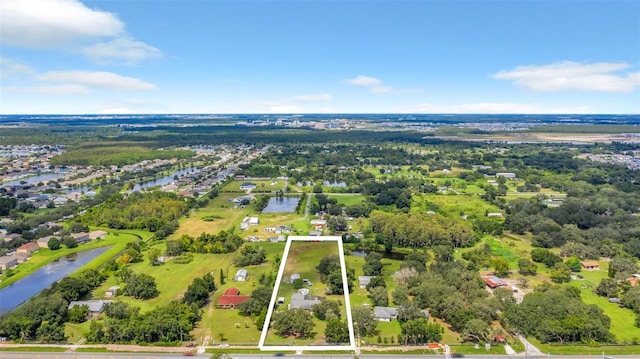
(560, 273)
(297, 283)
(501, 266)
(363, 321)
(477, 330)
(53, 244)
(527, 267)
(419, 331)
(153, 255)
(376, 282)
(631, 299)
(574, 264)
(622, 268)
(141, 286)
(336, 331)
(197, 293)
(328, 265)
(250, 255)
(372, 265)
(608, 287)
(379, 296)
(69, 242)
(221, 276)
(174, 248)
(78, 313)
(296, 322)
(327, 309)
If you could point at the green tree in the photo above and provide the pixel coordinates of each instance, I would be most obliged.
(379, 296)
(560, 273)
(336, 331)
(608, 287)
(527, 267)
(53, 244)
(78, 313)
(174, 248)
(501, 266)
(363, 321)
(69, 242)
(141, 286)
(574, 264)
(327, 309)
(153, 255)
(297, 322)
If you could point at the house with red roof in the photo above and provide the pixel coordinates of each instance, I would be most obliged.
(231, 298)
(28, 248)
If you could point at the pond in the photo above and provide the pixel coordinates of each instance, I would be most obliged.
(281, 205)
(19, 292)
(34, 179)
(388, 255)
(163, 181)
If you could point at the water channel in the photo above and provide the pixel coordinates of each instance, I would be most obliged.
(163, 181)
(17, 293)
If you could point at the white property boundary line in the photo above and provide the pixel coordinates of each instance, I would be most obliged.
(347, 302)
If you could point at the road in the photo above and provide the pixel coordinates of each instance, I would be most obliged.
(32, 355)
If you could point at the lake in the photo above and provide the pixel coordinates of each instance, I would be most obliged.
(19, 292)
(163, 181)
(281, 205)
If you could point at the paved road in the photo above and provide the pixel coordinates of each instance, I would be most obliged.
(25, 355)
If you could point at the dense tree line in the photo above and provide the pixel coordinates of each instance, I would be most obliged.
(222, 242)
(124, 324)
(149, 211)
(250, 255)
(419, 230)
(42, 318)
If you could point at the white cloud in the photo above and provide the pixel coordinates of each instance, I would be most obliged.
(96, 80)
(490, 108)
(9, 67)
(573, 76)
(124, 49)
(381, 89)
(64, 89)
(362, 80)
(313, 98)
(53, 23)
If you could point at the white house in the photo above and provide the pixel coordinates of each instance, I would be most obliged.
(241, 275)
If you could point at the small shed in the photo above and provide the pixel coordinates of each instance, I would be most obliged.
(241, 275)
(590, 265)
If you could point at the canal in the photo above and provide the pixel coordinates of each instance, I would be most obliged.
(17, 293)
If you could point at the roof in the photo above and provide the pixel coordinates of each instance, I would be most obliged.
(95, 306)
(493, 281)
(232, 291)
(590, 264)
(299, 300)
(29, 245)
(7, 259)
(233, 299)
(385, 312)
(242, 272)
(364, 279)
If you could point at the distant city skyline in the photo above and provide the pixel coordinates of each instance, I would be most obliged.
(208, 56)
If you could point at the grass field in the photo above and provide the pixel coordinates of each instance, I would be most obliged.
(454, 205)
(222, 212)
(586, 349)
(302, 259)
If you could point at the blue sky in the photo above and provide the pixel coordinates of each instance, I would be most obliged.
(126, 56)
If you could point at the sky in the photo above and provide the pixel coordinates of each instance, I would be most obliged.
(206, 56)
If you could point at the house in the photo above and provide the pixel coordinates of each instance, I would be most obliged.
(280, 300)
(318, 224)
(241, 275)
(44, 241)
(7, 262)
(28, 248)
(494, 215)
(245, 186)
(634, 280)
(97, 234)
(95, 306)
(22, 257)
(364, 280)
(82, 237)
(60, 201)
(507, 175)
(385, 314)
(303, 300)
(493, 282)
(12, 236)
(231, 298)
(112, 291)
(315, 233)
(590, 265)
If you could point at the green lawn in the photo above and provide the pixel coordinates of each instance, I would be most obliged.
(454, 205)
(586, 349)
(263, 186)
(220, 210)
(348, 199)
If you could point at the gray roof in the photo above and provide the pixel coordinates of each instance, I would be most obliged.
(242, 272)
(385, 312)
(299, 300)
(364, 279)
(95, 306)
